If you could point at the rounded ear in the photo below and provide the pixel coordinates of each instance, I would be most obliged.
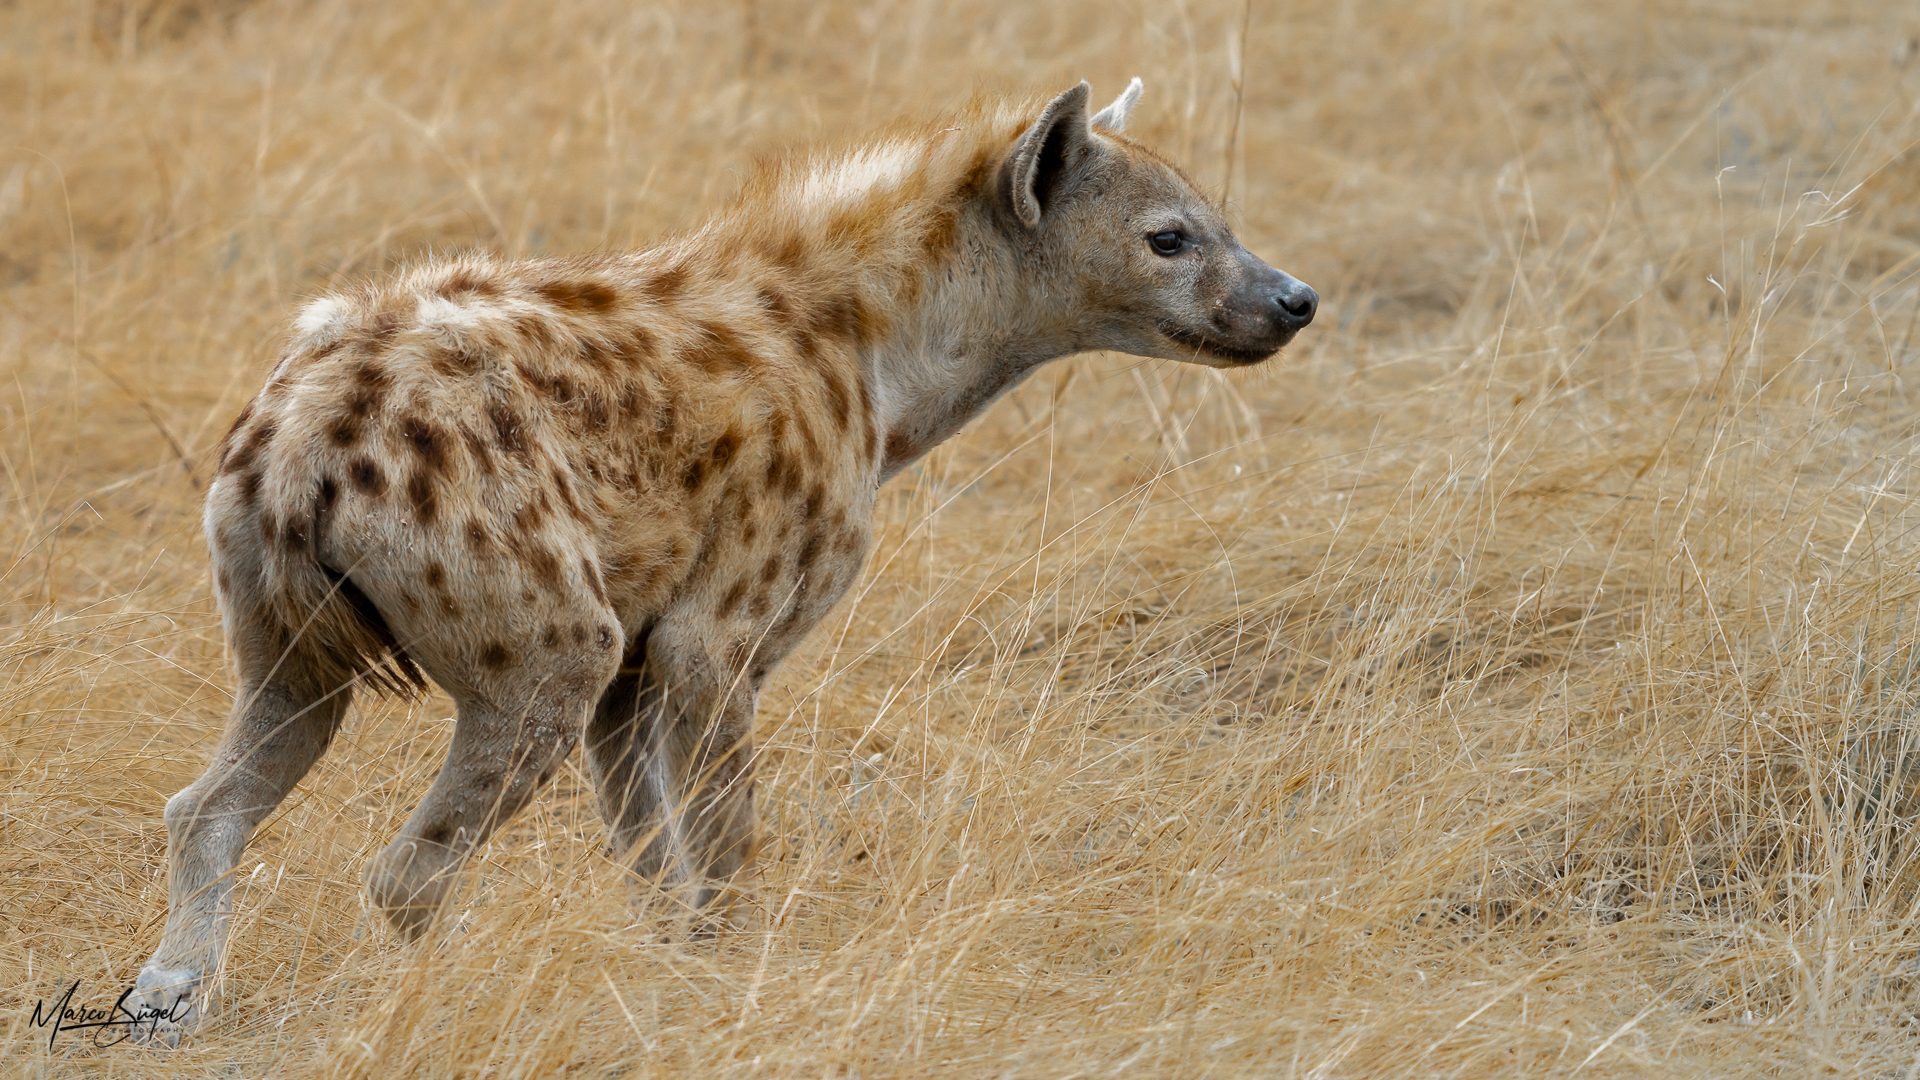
(1114, 116)
(1045, 153)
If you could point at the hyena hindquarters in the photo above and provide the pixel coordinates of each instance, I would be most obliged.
(601, 499)
(338, 533)
(520, 530)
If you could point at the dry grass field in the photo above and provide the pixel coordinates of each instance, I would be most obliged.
(1518, 676)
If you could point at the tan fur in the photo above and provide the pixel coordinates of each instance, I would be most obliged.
(600, 498)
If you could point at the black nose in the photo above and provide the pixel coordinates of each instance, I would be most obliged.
(1295, 302)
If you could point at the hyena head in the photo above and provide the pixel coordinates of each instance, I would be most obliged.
(1146, 263)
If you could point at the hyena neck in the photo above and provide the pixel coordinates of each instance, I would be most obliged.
(976, 333)
(904, 240)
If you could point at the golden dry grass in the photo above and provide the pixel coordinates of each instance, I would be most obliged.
(1518, 677)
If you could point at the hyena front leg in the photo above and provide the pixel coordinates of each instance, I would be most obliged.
(628, 759)
(672, 750)
(280, 725)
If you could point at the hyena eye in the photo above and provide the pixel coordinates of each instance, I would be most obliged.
(1169, 242)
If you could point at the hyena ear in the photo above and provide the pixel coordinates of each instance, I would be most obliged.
(1046, 153)
(1114, 116)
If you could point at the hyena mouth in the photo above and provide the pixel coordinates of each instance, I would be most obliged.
(1220, 350)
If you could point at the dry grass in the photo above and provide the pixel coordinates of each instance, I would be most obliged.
(1519, 677)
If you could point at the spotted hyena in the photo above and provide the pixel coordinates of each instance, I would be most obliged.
(598, 499)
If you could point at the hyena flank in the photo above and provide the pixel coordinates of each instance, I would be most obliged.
(598, 499)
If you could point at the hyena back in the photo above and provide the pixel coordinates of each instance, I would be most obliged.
(599, 499)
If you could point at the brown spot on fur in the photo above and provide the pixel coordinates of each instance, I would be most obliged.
(808, 343)
(546, 567)
(736, 595)
(465, 280)
(597, 412)
(774, 302)
(809, 552)
(596, 354)
(666, 284)
(528, 517)
(345, 429)
(297, 534)
(371, 382)
(478, 538)
(495, 656)
(783, 474)
(941, 233)
(507, 427)
(839, 402)
(579, 296)
(429, 443)
(426, 501)
(250, 487)
(384, 325)
(719, 350)
(436, 574)
(594, 582)
(478, 449)
(257, 439)
(608, 637)
(842, 316)
(550, 637)
(563, 390)
(227, 460)
(869, 429)
(899, 445)
(567, 499)
(329, 494)
(640, 344)
(537, 329)
(371, 375)
(724, 449)
(791, 254)
(453, 361)
(580, 632)
(979, 175)
(809, 443)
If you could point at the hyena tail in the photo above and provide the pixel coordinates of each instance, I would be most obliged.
(311, 612)
(347, 628)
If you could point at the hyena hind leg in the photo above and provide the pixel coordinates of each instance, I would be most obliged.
(282, 720)
(511, 732)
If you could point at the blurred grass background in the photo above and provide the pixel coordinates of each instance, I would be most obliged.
(1516, 677)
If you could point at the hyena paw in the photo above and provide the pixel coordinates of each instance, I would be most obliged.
(165, 1004)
